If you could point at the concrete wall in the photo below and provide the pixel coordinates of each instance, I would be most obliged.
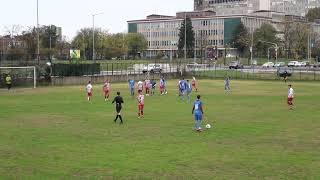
(80, 80)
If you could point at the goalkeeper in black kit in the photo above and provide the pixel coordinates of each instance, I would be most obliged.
(118, 100)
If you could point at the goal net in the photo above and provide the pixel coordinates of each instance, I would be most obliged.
(20, 76)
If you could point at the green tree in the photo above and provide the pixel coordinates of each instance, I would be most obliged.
(49, 36)
(83, 41)
(241, 38)
(301, 40)
(136, 43)
(118, 45)
(265, 33)
(316, 47)
(186, 26)
(313, 14)
(30, 38)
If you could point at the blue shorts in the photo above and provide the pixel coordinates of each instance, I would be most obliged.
(181, 91)
(198, 117)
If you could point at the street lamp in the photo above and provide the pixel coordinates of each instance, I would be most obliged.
(93, 50)
(275, 46)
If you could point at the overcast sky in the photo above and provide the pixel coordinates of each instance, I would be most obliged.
(73, 15)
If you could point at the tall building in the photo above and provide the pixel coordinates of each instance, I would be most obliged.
(294, 7)
(214, 23)
(229, 7)
(211, 31)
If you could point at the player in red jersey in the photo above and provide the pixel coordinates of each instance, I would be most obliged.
(106, 89)
(194, 84)
(140, 104)
(147, 85)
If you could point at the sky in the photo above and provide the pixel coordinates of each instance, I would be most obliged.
(72, 15)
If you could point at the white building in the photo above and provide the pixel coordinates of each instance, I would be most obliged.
(294, 7)
(215, 31)
(229, 7)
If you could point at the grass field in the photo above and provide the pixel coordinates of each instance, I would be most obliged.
(54, 133)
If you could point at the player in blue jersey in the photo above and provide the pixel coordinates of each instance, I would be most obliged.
(131, 85)
(197, 111)
(227, 85)
(164, 85)
(153, 86)
(182, 87)
(188, 89)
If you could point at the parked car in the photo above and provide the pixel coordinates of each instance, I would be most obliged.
(235, 65)
(279, 64)
(284, 73)
(293, 64)
(152, 68)
(305, 63)
(317, 64)
(268, 65)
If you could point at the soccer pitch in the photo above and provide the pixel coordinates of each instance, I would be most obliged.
(54, 133)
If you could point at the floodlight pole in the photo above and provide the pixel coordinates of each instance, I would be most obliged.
(38, 34)
(185, 36)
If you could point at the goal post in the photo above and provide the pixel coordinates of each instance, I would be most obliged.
(21, 76)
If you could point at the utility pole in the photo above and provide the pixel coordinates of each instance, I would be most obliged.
(150, 40)
(93, 50)
(185, 36)
(50, 43)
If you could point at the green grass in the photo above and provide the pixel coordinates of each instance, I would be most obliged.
(53, 133)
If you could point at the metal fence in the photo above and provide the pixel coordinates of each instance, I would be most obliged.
(211, 71)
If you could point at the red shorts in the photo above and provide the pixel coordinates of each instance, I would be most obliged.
(193, 85)
(89, 94)
(290, 101)
(106, 91)
(141, 106)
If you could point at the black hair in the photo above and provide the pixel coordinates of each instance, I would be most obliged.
(198, 97)
(118, 93)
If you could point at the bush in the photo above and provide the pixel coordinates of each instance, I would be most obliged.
(75, 69)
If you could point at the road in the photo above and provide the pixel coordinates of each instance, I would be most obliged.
(167, 68)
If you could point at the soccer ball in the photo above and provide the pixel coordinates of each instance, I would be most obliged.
(208, 126)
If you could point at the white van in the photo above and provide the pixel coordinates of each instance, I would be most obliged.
(152, 68)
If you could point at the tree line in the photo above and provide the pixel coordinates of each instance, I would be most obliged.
(22, 45)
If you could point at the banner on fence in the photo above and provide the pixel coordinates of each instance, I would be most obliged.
(74, 53)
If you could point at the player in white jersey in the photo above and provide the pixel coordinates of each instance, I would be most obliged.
(290, 97)
(147, 85)
(140, 104)
(106, 89)
(140, 86)
(89, 90)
